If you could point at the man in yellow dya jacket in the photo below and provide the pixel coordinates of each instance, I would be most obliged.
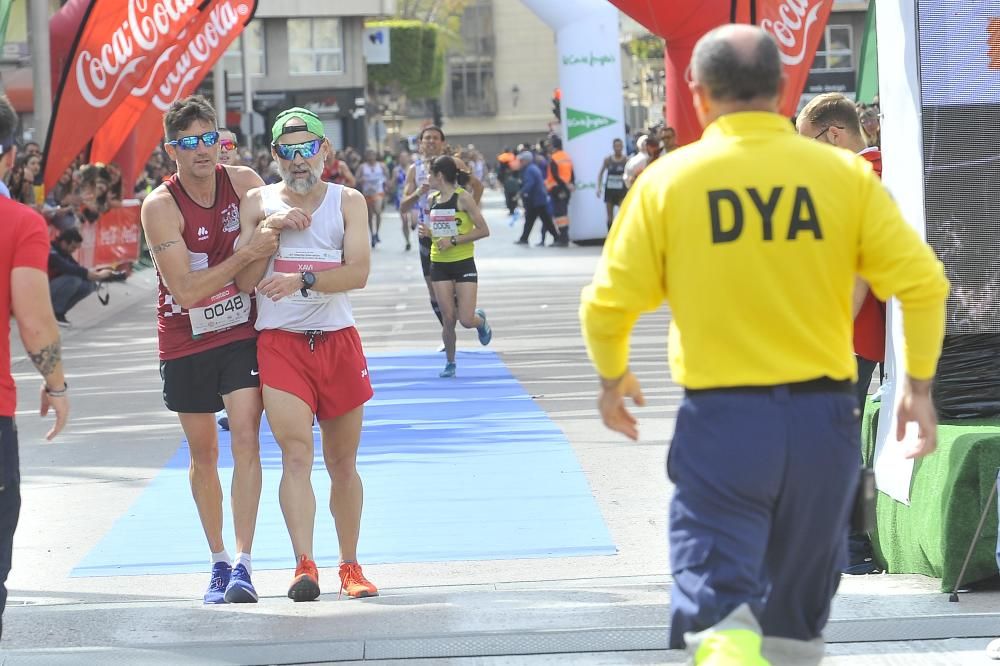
(754, 235)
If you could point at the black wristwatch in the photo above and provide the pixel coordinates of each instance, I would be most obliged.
(308, 281)
(454, 241)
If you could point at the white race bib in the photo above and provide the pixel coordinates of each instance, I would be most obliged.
(443, 223)
(301, 259)
(230, 307)
(615, 182)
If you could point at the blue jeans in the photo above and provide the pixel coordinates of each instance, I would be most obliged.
(764, 485)
(68, 290)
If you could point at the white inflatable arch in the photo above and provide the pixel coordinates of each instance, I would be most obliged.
(592, 108)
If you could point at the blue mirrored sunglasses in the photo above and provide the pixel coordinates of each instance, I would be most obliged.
(307, 149)
(191, 142)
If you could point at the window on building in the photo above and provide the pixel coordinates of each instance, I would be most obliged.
(471, 82)
(315, 46)
(473, 89)
(232, 60)
(477, 29)
(836, 49)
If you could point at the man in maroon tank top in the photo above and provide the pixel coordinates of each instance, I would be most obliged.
(208, 348)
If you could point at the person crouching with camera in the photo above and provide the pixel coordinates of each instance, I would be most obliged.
(69, 282)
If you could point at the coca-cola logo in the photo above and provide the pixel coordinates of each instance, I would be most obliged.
(222, 20)
(795, 18)
(162, 62)
(99, 74)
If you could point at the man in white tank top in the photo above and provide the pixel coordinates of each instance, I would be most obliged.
(309, 353)
(374, 179)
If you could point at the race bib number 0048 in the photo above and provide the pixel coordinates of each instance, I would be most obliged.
(230, 307)
(443, 223)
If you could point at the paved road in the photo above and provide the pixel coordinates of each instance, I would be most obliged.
(581, 610)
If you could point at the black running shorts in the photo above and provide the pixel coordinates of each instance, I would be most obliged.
(195, 384)
(614, 197)
(454, 271)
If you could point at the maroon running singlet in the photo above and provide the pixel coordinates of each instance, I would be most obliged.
(210, 235)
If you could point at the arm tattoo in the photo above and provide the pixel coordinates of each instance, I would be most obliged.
(47, 358)
(156, 249)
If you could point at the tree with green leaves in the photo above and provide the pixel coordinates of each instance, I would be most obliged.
(413, 69)
(419, 36)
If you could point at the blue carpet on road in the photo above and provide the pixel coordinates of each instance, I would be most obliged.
(454, 469)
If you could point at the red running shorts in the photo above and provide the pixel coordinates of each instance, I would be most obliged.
(331, 376)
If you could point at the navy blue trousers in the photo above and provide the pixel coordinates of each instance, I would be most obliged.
(764, 485)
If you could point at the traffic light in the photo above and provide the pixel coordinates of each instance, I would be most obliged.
(557, 104)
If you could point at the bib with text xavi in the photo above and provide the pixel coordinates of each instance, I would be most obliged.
(301, 259)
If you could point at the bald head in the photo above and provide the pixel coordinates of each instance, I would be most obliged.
(737, 63)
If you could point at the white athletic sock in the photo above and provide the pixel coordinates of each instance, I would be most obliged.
(244, 559)
(221, 556)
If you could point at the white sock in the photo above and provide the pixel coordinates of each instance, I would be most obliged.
(244, 559)
(221, 556)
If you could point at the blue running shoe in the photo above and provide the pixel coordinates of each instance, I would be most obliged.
(485, 332)
(449, 371)
(240, 589)
(215, 594)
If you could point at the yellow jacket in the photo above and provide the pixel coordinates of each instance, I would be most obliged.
(754, 236)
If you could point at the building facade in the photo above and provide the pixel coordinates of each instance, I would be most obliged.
(499, 81)
(838, 56)
(304, 53)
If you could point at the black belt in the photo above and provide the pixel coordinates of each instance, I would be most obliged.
(821, 385)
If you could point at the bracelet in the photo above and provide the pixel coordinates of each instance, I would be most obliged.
(53, 393)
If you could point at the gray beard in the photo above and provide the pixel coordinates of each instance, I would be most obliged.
(297, 185)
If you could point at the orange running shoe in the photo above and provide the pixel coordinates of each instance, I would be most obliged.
(305, 585)
(353, 583)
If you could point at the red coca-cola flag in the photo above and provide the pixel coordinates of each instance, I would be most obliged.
(118, 41)
(200, 46)
(797, 25)
(204, 34)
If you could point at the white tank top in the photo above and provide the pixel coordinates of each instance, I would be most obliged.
(372, 179)
(421, 174)
(318, 247)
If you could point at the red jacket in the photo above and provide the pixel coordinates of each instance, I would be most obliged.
(869, 325)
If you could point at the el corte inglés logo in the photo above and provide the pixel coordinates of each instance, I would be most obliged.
(581, 122)
(589, 59)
